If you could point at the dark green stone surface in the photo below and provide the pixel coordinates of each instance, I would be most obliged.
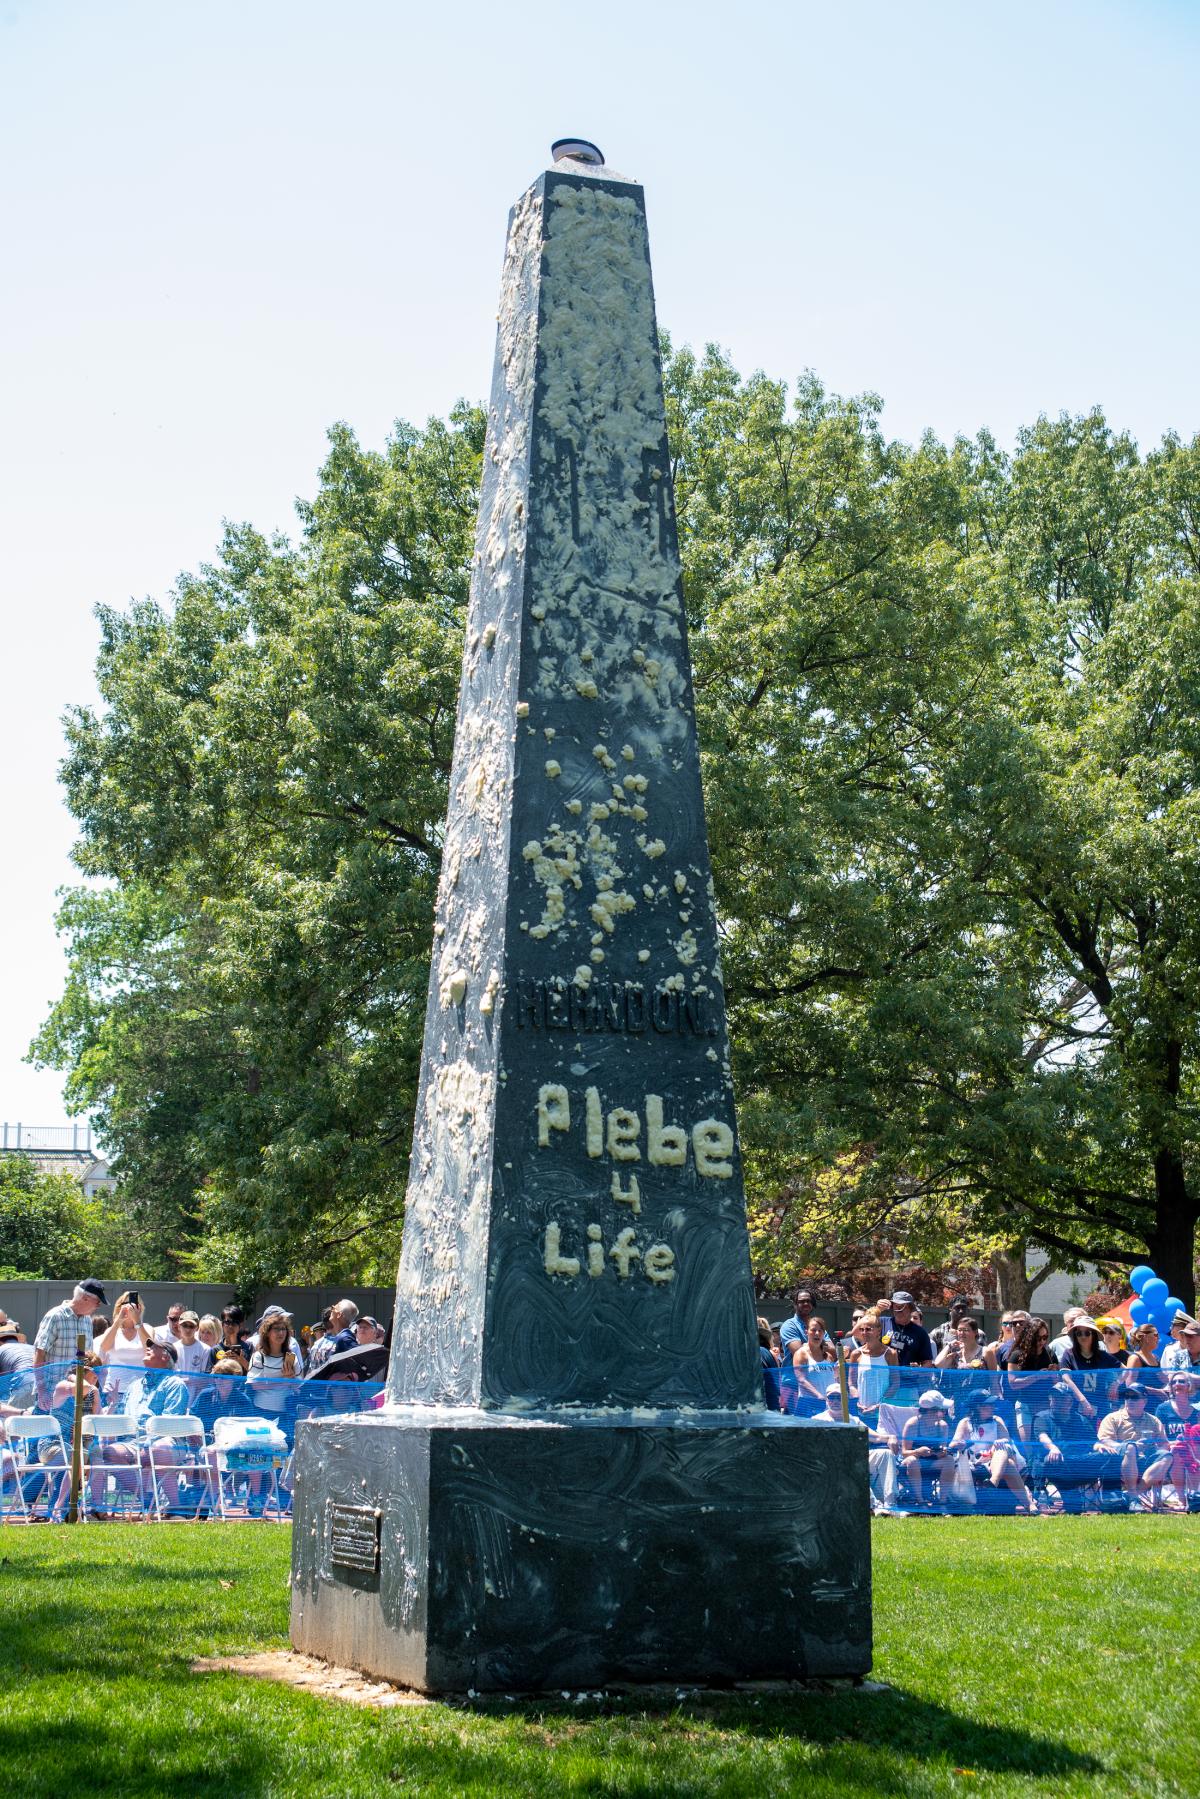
(543, 1553)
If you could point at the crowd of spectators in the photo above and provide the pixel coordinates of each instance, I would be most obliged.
(203, 1368)
(1096, 1416)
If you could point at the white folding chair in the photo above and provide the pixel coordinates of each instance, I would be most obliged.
(894, 1418)
(177, 1429)
(26, 1435)
(100, 1431)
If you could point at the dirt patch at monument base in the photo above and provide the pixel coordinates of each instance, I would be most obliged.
(311, 1676)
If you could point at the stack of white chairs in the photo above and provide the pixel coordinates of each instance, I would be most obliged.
(249, 1446)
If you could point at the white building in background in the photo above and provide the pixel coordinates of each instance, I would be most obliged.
(60, 1149)
(1059, 1290)
(96, 1178)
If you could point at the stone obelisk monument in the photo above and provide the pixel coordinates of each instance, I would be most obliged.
(574, 1480)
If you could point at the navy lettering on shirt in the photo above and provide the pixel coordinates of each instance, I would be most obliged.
(1173, 1424)
(911, 1344)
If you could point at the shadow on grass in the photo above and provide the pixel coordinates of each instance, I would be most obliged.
(95, 1691)
(253, 1745)
(142, 1737)
(60, 1755)
(892, 1722)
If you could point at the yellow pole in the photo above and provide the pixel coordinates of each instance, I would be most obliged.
(843, 1380)
(77, 1434)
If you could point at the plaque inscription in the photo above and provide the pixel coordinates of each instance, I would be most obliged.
(354, 1537)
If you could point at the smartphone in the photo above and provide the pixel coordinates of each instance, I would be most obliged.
(134, 1298)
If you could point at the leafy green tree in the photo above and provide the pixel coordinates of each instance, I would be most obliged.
(948, 705)
(262, 793)
(950, 710)
(48, 1230)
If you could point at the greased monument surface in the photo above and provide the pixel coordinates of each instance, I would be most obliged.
(574, 1480)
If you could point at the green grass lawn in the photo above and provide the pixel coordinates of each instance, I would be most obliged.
(1024, 1656)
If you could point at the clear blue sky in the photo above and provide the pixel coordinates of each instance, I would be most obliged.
(227, 224)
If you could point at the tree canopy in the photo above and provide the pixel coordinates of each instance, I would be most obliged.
(949, 706)
(49, 1231)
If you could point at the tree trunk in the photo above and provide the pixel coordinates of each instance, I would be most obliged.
(1172, 1241)
(1013, 1285)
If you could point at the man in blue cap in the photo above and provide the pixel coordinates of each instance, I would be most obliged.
(1138, 1437)
(1064, 1447)
(910, 1340)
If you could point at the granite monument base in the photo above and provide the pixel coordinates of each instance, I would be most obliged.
(455, 1550)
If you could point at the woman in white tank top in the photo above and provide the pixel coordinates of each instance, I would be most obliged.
(985, 1439)
(121, 1349)
(873, 1369)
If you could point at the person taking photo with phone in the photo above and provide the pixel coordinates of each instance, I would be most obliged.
(122, 1348)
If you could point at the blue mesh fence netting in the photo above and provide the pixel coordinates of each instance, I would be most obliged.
(970, 1440)
(940, 1440)
(157, 1443)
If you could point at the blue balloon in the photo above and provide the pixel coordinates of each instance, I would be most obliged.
(1139, 1312)
(1139, 1276)
(1155, 1293)
(1174, 1305)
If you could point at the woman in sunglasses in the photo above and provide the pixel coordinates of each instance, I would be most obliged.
(1028, 1370)
(272, 1384)
(993, 1455)
(874, 1370)
(1087, 1363)
(925, 1447)
(273, 1370)
(1141, 1364)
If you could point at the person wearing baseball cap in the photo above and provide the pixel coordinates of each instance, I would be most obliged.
(1064, 1448)
(54, 1344)
(1182, 1354)
(910, 1341)
(274, 1311)
(881, 1448)
(1138, 1438)
(924, 1446)
(17, 1388)
(191, 1355)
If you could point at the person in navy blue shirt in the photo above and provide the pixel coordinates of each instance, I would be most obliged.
(910, 1341)
(770, 1367)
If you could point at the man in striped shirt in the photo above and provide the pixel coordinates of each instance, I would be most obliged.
(57, 1333)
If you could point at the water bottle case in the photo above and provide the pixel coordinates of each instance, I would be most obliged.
(249, 1445)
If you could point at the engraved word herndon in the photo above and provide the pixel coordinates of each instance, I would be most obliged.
(610, 1006)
